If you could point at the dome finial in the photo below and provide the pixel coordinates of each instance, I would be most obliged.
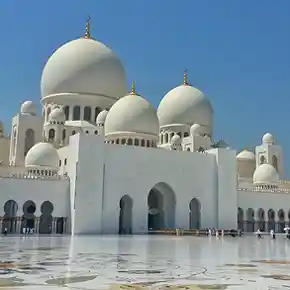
(133, 88)
(185, 80)
(88, 28)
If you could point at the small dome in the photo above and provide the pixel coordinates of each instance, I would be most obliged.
(28, 108)
(268, 139)
(185, 105)
(101, 118)
(246, 155)
(175, 140)
(84, 66)
(42, 155)
(132, 114)
(196, 130)
(57, 115)
(265, 174)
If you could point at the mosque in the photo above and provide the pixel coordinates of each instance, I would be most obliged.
(100, 160)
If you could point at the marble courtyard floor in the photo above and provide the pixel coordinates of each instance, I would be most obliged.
(144, 262)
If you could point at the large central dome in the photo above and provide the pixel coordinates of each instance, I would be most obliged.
(84, 66)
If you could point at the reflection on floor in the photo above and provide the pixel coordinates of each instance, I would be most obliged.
(143, 262)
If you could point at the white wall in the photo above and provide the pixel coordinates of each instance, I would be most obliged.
(39, 191)
(106, 172)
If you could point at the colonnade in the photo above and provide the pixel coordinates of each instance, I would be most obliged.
(15, 225)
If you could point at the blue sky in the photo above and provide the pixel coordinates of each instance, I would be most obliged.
(237, 52)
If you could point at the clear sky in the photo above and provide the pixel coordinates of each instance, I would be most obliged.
(236, 51)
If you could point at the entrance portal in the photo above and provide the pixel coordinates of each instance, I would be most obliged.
(194, 214)
(161, 207)
(125, 215)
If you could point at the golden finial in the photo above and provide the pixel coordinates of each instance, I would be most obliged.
(185, 81)
(88, 28)
(133, 88)
(246, 149)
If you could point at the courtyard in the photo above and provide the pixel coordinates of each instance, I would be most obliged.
(144, 262)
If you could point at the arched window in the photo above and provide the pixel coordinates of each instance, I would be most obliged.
(77, 113)
(65, 161)
(143, 143)
(97, 111)
(179, 134)
(152, 143)
(87, 114)
(161, 138)
(186, 135)
(29, 140)
(59, 163)
(51, 134)
(63, 135)
(148, 143)
(130, 141)
(136, 142)
(48, 111)
(117, 141)
(66, 112)
(96, 132)
(275, 162)
(123, 141)
(262, 159)
(73, 132)
(87, 132)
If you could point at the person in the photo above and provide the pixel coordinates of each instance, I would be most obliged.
(209, 232)
(272, 233)
(259, 234)
(24, 231)
(5, 232)
(217, 233)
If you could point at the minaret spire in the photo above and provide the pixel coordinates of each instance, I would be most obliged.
(133, 88)
(88, 28)
(185, 80)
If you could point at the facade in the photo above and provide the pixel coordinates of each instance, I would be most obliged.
(100, 160)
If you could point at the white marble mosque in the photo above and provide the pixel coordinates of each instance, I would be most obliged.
(100, 159)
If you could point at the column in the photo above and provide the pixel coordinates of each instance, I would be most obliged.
(18, 225)
(82, 108)
(36, 226)
(54, 221)
(70, 115)
(64, 225)
(1, 224)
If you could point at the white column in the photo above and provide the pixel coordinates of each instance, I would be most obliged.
(1, 224)
(70, 115)
(54, 221)
(18, 225)
(64, 225)
(82, 113)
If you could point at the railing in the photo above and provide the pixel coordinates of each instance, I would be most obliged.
(259, 189)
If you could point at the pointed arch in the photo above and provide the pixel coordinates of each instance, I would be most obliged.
(29, 140)
(125, 215)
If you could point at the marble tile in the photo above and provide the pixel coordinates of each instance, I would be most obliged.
(143, 262)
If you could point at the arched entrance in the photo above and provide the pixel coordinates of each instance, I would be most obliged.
(250, 220)
(125, 215)
(45, 222)
(161, 207)
(281, 217)
(29, 209)
(194, 214)
(271, 220)
(240, 219)
(261, 219)
(9, 219)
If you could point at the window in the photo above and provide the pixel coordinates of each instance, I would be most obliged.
(77, 113)
(51, 134)
(87, 114)
(66, 112)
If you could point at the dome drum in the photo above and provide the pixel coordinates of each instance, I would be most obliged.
(265, 174)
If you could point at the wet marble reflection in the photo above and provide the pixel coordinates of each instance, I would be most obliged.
(143, 262)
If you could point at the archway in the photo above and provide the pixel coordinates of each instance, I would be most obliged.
(29, 209)
(29, 140)
(275, 162)
(261, 219)
(240, 219)
(271, 220)
(281, 217)
(161, 207)
(125, 215)
(9, 219)
(45, 221)
(194, 214)
(250, 220)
